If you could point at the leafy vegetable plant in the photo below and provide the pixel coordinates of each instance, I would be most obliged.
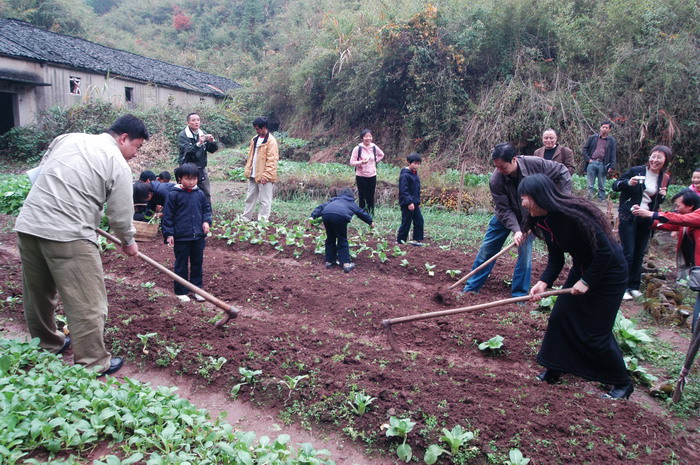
(453, 273)
(400, 428)
(430, 269)
(456, 438)
(515, 457)
(360, 402)
(629, 337)
(144, 340)
(494, 343)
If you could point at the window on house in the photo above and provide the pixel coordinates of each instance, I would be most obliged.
(201, 99)
(171, 100)
(129, 94)
(74, 85)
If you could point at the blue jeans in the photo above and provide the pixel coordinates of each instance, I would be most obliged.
(696, 314)
(596, 170)
(495, 237)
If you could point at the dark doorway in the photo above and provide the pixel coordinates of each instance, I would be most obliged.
(7, 112)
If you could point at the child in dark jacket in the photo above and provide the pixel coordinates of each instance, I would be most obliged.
(409, 200)
(186, 221)
(336, 214)
(142, 195)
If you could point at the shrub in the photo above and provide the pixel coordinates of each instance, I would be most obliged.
(24, 143)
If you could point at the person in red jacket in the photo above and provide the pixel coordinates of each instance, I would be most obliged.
(686, 221)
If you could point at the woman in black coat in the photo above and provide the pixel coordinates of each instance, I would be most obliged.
(645, 186)
(579, 337)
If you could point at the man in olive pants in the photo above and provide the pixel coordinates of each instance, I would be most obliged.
(79, 173)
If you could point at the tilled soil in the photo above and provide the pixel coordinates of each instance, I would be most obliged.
(298, 319)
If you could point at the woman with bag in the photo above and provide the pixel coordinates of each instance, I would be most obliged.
(686, 221)
(645, 186)
(364, 158)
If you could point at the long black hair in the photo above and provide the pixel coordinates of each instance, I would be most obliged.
(585, 214)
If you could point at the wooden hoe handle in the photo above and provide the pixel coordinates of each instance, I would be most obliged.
(483, 265)
(231, 312)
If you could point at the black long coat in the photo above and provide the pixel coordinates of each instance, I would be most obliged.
(579, 337)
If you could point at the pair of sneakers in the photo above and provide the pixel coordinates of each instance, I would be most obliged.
(185, 298)
(347, 267)
(413, 243)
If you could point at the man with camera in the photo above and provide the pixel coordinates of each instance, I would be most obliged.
(194, 145)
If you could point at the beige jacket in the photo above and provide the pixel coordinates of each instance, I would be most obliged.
(266, 161)
(562, 154)
(79, 173)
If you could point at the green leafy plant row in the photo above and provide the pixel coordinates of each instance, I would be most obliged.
(50, 407)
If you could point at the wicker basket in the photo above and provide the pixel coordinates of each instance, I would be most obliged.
(145, 231)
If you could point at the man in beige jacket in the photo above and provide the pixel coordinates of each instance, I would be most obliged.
(78, 174)
(555, 152)
(261, 171)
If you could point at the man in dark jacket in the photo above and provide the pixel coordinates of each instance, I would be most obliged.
(336, 214)
(600, 157)
(509, 214)
(194, 144)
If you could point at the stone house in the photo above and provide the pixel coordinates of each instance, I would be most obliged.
(39, 69)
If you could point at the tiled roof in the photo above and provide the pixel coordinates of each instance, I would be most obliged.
(19, 39)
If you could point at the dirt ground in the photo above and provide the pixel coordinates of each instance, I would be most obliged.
(299, 319)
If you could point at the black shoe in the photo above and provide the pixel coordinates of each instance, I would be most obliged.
(114, 365)
(66, 345)
(550, 376)
(620, 392)
(348, 267)
(329, 265)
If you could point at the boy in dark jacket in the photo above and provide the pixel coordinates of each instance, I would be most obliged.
(186, 221)
(409, 200)
(336, 214)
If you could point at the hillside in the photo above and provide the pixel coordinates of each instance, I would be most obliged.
(451, 78)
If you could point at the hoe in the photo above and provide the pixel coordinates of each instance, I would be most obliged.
(424, 316)
(230, 311)
(483, 265)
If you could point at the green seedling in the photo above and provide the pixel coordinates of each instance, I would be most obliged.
(515, 457)
(433, 453)
(430, 269)
(292, 382)
(360, 402)
(148, 285)
(217, 363)
(248, 377)
(404, 263)
(639, 371)
(456, 438)
(547, 302)
(494, 343)
(104, 245)
(453, 273)
(144, 340)
(400, 428)
(172, 351)
(397, 252)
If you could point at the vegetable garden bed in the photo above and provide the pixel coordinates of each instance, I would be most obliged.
(309, 344)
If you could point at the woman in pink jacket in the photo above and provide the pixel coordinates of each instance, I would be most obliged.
(686, 221)
(364, 158)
